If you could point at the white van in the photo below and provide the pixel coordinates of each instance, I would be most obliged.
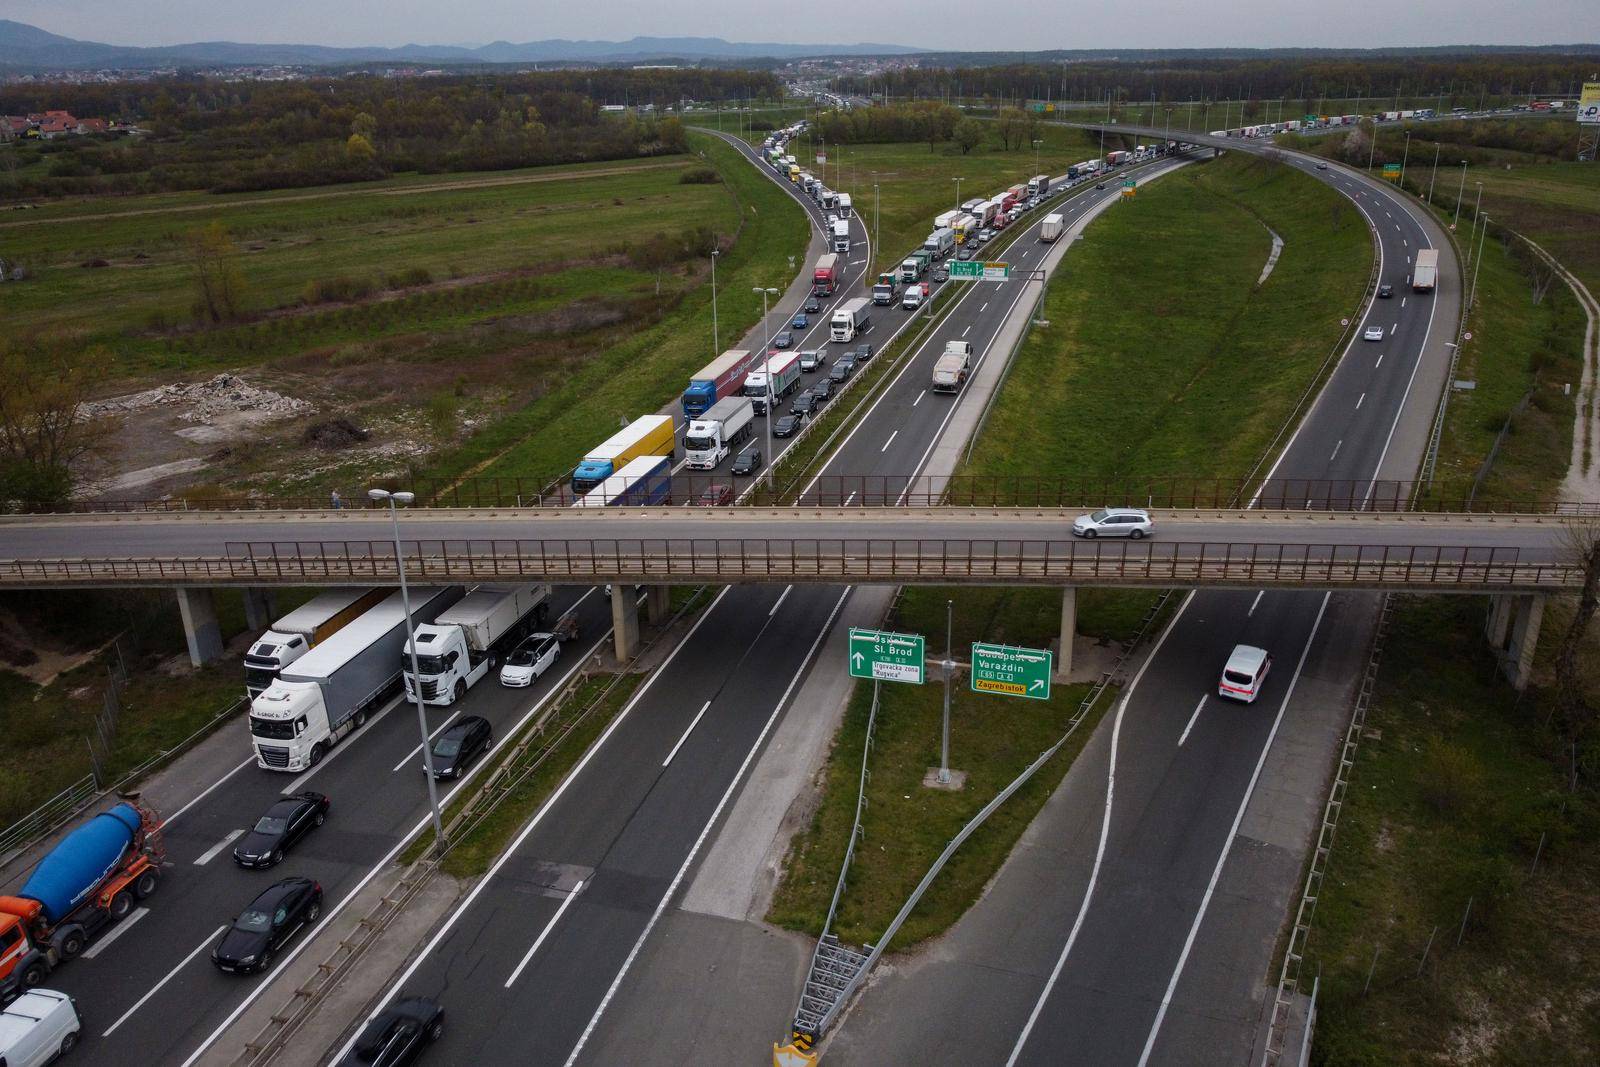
(1244, 673)
(37, 1027)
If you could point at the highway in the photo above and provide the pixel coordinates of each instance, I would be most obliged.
(1140, 950)
(537, 956)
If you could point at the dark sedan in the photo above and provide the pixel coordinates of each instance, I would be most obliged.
(788, 425)
(804, 404)
(286, 822)
(822, 390)
(398, 1034)
(842, 369)
(864, 352)
(270, 922)
(460, 746)
(783, 340)
(748, 461)
(813, 306)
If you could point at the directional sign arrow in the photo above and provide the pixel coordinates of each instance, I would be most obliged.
(857, 658)
(1038, 683)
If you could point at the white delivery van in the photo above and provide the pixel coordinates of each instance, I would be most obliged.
(1244, 673)
(37, 1027)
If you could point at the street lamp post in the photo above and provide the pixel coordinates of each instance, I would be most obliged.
(958, 193)
(1437, 145)
(766, 363)
(1036, 143)
(716, 342)
(1461, 191)
(1405, 158)
(1472, 298)
(384, 496)
(1476, 211)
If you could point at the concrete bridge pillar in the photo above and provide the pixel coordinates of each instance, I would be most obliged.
(199, 611)
(260, 605)
(1513, 632)
(1069, 630)
(624, 622)
(658, 604)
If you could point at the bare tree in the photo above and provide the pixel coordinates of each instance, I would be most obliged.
(45, 382)
(219, 288)
(1582, 549)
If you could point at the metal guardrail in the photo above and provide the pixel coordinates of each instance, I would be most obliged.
(855, 560)
(47, 818)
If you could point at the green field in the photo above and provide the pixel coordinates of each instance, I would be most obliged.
(1208, 366)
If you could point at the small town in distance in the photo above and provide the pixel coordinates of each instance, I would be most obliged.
(669, 544)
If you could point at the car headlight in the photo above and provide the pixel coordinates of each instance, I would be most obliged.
(247, 961)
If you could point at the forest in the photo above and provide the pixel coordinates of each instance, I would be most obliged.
(227, 136)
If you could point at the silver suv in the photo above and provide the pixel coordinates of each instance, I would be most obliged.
(1114, 522)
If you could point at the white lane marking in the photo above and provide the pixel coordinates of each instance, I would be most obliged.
(333, 754)
(1105, 831)
(890, 441)
(849, 498)
(966, 331)
(1185, 735)
(985, 306)
(168, 821)
(212, 936)
(1253, 604)
(1360, 400)
(857, 262)
(551, 925)
(688, 861)
(1378, 364)
(692, 724)
(211, 853)
(117, 931)
(1395, 327)
(918, 400)
(1336, 446)
(1387, 215)
(1233, 832)
(1406, 242)
(417, 750)
(532, 824)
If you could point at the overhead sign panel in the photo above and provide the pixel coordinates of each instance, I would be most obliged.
(966, 270)
(1589, 104)
(886, 657)
(996, 272)
(1014, 672)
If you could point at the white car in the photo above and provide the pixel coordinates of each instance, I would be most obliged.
(1244, 673)
(531, 658)
(1373, 333)
(1114, 522)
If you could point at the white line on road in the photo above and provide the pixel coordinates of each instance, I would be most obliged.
(1395, 327)
(211, 853)
(849, 498)
(1233, 832)
(294, 786)
(1360, 400)
(1336, 449)
(1185, 735)
(117, 931)
(170, 819)
(984, 308)
(1253, 604)
(918, 400)
(212, 936)
(890, 441)
(1378, 364)
(417, 751)
(781, 598)
(966, 331)
(857, 262)
(692, 724)
(551, 925)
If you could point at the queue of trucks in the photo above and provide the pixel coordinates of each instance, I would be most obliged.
(648, 435)
(713, 436)
(723, 376)
(466, 641)
(851, 319)
(772, 379)
(300, 631)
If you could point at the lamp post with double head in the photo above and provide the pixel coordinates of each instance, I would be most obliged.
(392, 499)
(766, 364)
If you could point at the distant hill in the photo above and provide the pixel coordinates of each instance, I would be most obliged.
(24, 46)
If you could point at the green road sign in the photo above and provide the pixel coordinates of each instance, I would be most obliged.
(1013, 672)
(1391, 171)
(886, 657)
(969, 270)
(996, 272)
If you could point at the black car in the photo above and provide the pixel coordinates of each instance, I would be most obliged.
(822, 389)
(1385, 291)
(864, 352)
(965, 253)
(1099, 185)
(269, 923)
(804, 404)
(942, 274)
(788, 425)
(398, 1034)
(286, 822)
(460, 745)
(748, 461)
(843, 367)
(813, 306)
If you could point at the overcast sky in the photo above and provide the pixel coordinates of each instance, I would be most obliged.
(941, 24)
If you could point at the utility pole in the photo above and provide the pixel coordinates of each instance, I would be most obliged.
(949, 669)
(1436, 147)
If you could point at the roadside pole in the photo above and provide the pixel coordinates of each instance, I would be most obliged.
(949, 670)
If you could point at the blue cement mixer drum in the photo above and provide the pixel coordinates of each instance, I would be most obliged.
(81, 861)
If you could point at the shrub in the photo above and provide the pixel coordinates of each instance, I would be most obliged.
(1452, 778)
(699, 176)
(340, 288)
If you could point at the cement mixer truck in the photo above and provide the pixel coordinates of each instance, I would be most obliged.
(88, 882)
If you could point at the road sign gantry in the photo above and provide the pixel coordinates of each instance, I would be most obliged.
(1010, 671)
(886, 657)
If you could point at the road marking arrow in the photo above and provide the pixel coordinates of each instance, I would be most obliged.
(1038, 683)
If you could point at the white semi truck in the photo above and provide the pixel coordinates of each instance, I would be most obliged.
(300, 631)
(716, 433)
(327, 693)
(951, 371)
(467, 640)
(850, 320)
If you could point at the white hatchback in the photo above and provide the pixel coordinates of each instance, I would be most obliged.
(1114, 522)
(530, 659)
(1244, 673)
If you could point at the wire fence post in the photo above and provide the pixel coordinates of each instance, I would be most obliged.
(1373, 966)
(1464, 917)
(1425, 949)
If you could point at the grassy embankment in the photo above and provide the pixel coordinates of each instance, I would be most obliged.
(1195, 345)
(1459, 777)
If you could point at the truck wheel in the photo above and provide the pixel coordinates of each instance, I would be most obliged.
(361, 718)
(121, 905)
(146, 884)
(69, 942)
(35, 973)
(318, 750)
(461, 688)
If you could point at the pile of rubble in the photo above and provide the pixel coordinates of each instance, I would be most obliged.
(225, 394)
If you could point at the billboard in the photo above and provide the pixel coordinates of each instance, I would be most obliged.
(1589, 104)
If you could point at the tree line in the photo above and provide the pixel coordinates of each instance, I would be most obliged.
(233, 136)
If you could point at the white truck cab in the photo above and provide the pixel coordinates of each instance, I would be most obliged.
(461, 646)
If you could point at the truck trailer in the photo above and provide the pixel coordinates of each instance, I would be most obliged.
(944, 219)
(885, 288)
(824, 276)
(713, 435)
(1051, 227)
(648, 435)
(940, 243)
(717, 379)
(915, 265)
(467, 639)
(642, 481)
(300, 631)
(851, 319)
(953, 366)
(841, 236)
(89, 881)
(1425, 274)
(771, 379)
(328, 692)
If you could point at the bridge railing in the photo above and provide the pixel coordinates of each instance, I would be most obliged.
(830, 560)
(887, 490)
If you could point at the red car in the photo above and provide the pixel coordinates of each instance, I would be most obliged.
(715, 496)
